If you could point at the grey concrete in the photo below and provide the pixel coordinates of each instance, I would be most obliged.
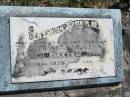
(7, 12)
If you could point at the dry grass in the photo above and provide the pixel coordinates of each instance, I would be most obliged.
(61, 3)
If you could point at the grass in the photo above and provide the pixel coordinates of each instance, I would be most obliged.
(61, 3)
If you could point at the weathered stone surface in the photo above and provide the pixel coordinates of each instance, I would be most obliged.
(7, 12)
(121, 90)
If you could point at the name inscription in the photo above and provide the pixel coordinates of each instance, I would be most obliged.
(45, 49)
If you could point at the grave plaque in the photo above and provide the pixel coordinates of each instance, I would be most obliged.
(57, 48)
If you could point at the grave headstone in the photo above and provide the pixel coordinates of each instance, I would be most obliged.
(57, 48)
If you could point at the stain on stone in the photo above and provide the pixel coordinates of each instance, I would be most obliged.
(1, 46)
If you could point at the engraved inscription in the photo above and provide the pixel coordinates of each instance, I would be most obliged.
(45, 49)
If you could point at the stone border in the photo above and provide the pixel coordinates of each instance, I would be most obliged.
(16, 11)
